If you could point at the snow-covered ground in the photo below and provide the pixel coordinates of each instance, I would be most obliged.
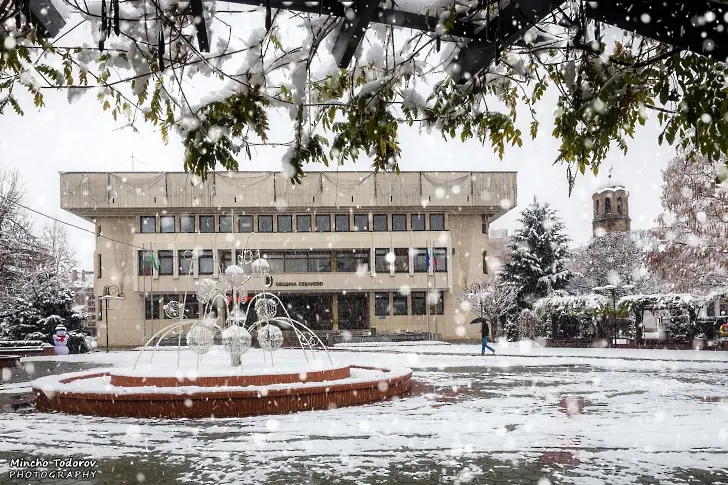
(592, 416)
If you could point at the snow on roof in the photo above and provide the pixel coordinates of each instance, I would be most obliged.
(572, 304)
(611, 188)
(662, 300)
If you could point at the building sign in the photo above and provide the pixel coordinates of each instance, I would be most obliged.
(299, 283)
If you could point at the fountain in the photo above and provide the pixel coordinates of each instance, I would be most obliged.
(200, 379)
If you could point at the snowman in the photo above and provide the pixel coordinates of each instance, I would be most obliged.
(60, 340)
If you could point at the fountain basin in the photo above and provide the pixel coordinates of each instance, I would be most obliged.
(94, 392)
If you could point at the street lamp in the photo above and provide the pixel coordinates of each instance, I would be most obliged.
(111, 292)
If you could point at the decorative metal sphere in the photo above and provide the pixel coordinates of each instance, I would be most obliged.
(206, 290)
(201, 337)
(234, 275)
(171, 309)
(236, 340)
(270, 337)
(265, 309)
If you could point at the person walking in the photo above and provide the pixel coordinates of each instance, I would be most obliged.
(484, 330)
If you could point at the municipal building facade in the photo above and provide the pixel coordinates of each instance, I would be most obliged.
(347, 250)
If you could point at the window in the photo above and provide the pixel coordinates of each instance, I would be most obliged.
(207, 223)
(619, 206)
(166, 262)
(225, 259)
(380, 222)
(319, 262)
(151, 307)
(285, 223)
(342, 222)
(148, 224)
(100, 316)
(323, 223)
(437, 222)
(596, 207)
(418, 303)
(485, 223)
(205, 262)
(245, 223)
(100, 268)
(418, 222)
(399, 222)
(185, 261)
(380, 260)
(349, 260)
(401, 260)
(607, 206)
(146, 267)
(381, 304)
(361, 222)
(187, 224)
(192, 307)
(399, 304)
(98, 231)
(166, 224)
(439, 259)
(303, 223)
(485, 262)
(420, 260)
(295, 262)
(265, 223)
(225, 223)
(437, 304)
(275, 260)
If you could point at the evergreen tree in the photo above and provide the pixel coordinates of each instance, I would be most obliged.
(47, 303)
(538, 255)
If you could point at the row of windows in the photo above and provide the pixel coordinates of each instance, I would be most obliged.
(340, 261)
(608, 206)
(397, 304)
(284, 223)
(385, 304)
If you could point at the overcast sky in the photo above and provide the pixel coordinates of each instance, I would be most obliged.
(81, 137)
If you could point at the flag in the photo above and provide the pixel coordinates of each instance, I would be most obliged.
(149, 262)
(435, 261)
(155, 265)
(427, 260)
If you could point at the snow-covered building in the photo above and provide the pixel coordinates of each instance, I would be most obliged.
(347, 250)
(611, 209)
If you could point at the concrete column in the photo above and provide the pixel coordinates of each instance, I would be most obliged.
(335, 311)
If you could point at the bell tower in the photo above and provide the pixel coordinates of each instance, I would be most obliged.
(611, 208)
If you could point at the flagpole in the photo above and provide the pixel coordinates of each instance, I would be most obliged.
(144, 248)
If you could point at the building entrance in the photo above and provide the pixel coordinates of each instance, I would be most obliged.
(353, 311)
(311, 309)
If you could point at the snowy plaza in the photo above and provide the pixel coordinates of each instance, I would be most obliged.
(528, 415)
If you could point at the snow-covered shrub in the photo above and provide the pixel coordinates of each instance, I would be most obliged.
(511, 330)
(528, 325)
(77, 343)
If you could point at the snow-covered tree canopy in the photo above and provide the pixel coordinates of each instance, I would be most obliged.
(144, 60)
(590, 304)
(490, 300)
(613, 258)
(690, 246)
(538, 254)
